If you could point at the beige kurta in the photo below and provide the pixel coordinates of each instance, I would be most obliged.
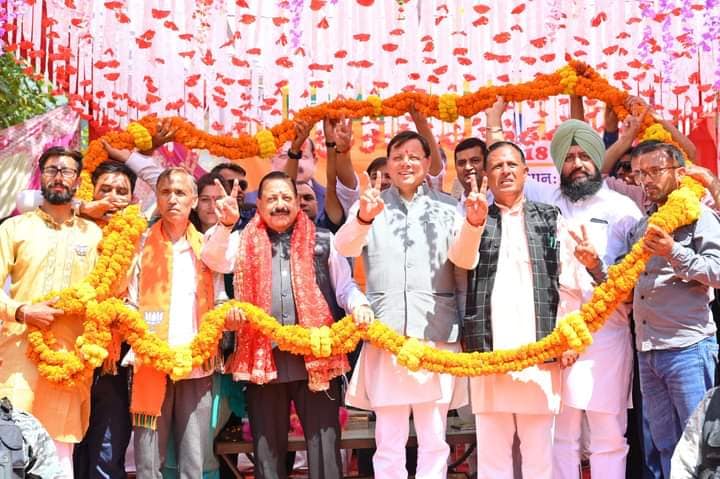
(40, 256)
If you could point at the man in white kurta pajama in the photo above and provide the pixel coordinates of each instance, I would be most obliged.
(403, 234)
(524, 275)
(598, 385)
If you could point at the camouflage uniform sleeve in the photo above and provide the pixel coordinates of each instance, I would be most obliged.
(43, 462)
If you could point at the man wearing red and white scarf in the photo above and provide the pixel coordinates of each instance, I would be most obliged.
(289, 268)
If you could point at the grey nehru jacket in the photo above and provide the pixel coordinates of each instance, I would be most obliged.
(670, 303)
(290, 367)
(411, 284)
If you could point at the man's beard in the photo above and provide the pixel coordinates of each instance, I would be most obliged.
(57, 197)
(577, 190)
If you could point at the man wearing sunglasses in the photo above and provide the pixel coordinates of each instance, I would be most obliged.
(44, 250)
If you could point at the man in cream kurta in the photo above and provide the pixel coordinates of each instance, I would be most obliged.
(524, 275)
(46, 250)
(403, 234)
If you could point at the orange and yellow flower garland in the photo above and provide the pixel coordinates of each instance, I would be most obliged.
(120, 238)
(573, 331)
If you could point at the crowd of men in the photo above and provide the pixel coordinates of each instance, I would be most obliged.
(493, 269)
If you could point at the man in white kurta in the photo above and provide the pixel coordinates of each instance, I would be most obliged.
(524, 402)
(598, 385)
(403, 234)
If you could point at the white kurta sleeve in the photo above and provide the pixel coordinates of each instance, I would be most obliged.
(347, 293)
(146, 167)
(347, 196)
(352, 236)
(463, 250)
(220, 248)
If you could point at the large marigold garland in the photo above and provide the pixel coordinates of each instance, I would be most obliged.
(91, 299)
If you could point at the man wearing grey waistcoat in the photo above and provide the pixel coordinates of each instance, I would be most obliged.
(403, 235)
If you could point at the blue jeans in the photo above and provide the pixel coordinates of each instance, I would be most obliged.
(673, 382)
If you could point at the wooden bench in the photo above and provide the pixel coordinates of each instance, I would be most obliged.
(356, 437)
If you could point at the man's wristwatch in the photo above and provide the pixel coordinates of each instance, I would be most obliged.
(330, 144)
(294, 155)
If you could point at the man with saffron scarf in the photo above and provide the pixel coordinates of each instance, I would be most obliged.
(523, 276)
(290, 269)
(172, 289)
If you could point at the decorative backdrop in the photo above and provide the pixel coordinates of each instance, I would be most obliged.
(233, 65)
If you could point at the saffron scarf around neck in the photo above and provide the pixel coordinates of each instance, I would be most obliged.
(253, 359)
(155, 287)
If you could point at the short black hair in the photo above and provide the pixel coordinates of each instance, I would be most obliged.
(60, 151)
(276, 175)
(471, 142)
(649, 146)
(227, 165)
(208, 179)
(376, 164)
(405, 136)
(500, 144)
(112, 166)
(619, 164)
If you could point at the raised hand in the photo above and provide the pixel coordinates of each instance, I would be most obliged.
(302, 132)
(371, 203)
(417, 116)
(164, 133)
(329, 129)
(476, 204)
(343, 135)
(633, 122)
(584, 250)
(494, 113)
(116, 153)
(226, 208)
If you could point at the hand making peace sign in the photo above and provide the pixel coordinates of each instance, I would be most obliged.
(584, 250)
(226, 208)
(476, 204)
(371, 203)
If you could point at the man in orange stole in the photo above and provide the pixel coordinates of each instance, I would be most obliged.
(290, 269)
(172, 289)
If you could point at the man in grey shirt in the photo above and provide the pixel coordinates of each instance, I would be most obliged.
(677, 349)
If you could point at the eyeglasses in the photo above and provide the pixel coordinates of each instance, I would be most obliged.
(653, 173)
(52, 171)
(403, 158)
